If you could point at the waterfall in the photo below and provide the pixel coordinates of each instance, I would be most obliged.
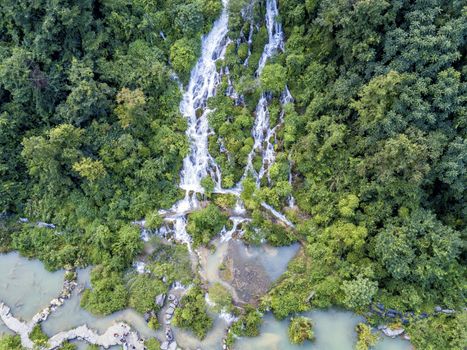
(198, 163)
(264, 136)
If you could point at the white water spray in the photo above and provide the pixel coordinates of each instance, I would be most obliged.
(264, 136)
(199, 163)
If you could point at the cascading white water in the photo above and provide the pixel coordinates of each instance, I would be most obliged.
(198, 163)
(264, 136)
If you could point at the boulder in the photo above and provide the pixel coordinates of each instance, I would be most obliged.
(392, 332)
(438, 308)
(165, 345)
(160, 299)
(170, 311)
(169, 335)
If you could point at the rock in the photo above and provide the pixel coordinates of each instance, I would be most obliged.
(380, 306)
(173, 346)
(160, 300)
(170, 311)
(172, 305)
(165, 345)
(405, 321)
(147, 316)
(447, 311)
(172, 297)
(438, 308)
(423, 315)
(392, 332)
(390, 314)
(169, 335)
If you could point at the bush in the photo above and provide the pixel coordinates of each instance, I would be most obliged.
(38, 336)
(152, 344)
(273, 78)
(143, 291)
(366, 339)
(440, 332)
(191, 314)
(204, 224)
(108, 293)
(10, 342)
(300, 329)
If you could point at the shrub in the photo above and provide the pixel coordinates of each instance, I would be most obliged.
(300, 329)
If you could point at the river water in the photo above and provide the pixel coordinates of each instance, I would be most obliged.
(28, 287)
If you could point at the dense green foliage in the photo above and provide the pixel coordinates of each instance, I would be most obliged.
(38, 336)
(442, 332)
(205, 223)
(152, 344)
(248, 325)
(108, 293)
(300, 329)
(192, 314)
(10, 342)
(90, 131)
(376, 138)
(366, 338)
(143, 290)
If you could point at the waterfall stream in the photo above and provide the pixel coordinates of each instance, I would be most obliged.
(263, 134)
(198, 163)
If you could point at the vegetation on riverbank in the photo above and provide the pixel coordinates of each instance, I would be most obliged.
(300, 329)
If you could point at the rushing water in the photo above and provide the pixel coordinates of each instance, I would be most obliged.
(198, 163)
(263, 134)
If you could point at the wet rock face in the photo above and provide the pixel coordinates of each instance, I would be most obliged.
(246, 275)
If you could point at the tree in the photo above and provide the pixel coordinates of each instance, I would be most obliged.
(191, 314)
(359, 292)
(205, 223)
(183, 55)
(273, 78)
(108, 293)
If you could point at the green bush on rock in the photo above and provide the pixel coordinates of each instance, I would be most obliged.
(205, 223)
(192, 314)
(300, 329)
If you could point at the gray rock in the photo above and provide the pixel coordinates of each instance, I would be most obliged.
(438, 308)
(172, 297)
(160, 299)
(165, 345)
(173, 346)
(170, 311)
(392, 332)
(448, 311)
(169, 335)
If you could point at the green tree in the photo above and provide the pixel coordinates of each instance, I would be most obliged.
(273, 78)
